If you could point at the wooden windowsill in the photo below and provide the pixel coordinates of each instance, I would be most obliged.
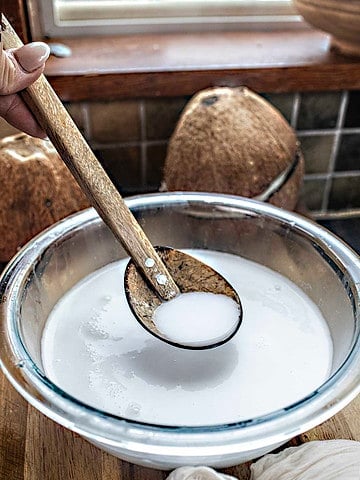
(181, 64)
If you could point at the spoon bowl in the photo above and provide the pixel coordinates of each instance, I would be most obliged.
(190, 275)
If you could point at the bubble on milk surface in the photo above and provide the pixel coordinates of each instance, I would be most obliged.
(132, 410)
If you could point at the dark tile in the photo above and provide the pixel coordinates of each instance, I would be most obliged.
(352, 116)
(312, 192)
(283, 102)
(317, 152)
(2, 266)
(123, 165)
(114, 121)
(345, 193)
(162, 116)
(348, 156)
(318, 110)
(155, 158)
(346, 228)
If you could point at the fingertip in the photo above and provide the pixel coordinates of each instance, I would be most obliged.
(32, 56)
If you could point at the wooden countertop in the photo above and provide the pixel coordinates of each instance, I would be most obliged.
(33, 447)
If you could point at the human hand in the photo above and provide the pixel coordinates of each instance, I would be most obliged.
(19, 68)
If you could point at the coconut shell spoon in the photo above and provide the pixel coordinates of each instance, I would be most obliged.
(154, 274)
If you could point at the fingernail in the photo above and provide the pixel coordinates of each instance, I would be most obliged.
(32, 56)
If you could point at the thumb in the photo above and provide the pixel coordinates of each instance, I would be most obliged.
(20, 67)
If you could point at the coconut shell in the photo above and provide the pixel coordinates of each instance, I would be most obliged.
(231, 140)
(37, 190)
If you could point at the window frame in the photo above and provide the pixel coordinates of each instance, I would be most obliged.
(274, 62)
(275, 14)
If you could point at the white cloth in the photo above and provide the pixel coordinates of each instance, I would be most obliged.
(317, 460)
(197, 473)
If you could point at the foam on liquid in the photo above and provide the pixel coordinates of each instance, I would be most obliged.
(94, 349)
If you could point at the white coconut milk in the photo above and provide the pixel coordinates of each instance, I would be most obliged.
(197, 318)
(94, 349)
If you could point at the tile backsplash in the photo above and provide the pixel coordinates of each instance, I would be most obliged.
(130, 139)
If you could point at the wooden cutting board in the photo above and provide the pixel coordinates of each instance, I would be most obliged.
(33, 447)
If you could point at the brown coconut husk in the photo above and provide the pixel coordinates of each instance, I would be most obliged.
(231, 140)
(37, 190)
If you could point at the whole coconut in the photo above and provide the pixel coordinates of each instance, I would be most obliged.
(36, 190)
(231, 140)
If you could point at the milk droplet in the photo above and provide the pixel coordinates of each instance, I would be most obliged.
(149, 262)
(161, 279)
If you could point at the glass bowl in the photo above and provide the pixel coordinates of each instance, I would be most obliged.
(314, 259)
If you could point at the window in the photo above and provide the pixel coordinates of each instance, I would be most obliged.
(78, 17)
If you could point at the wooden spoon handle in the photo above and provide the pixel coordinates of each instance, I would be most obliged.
(92, 178)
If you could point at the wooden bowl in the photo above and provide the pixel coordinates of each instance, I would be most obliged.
(341, 19)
